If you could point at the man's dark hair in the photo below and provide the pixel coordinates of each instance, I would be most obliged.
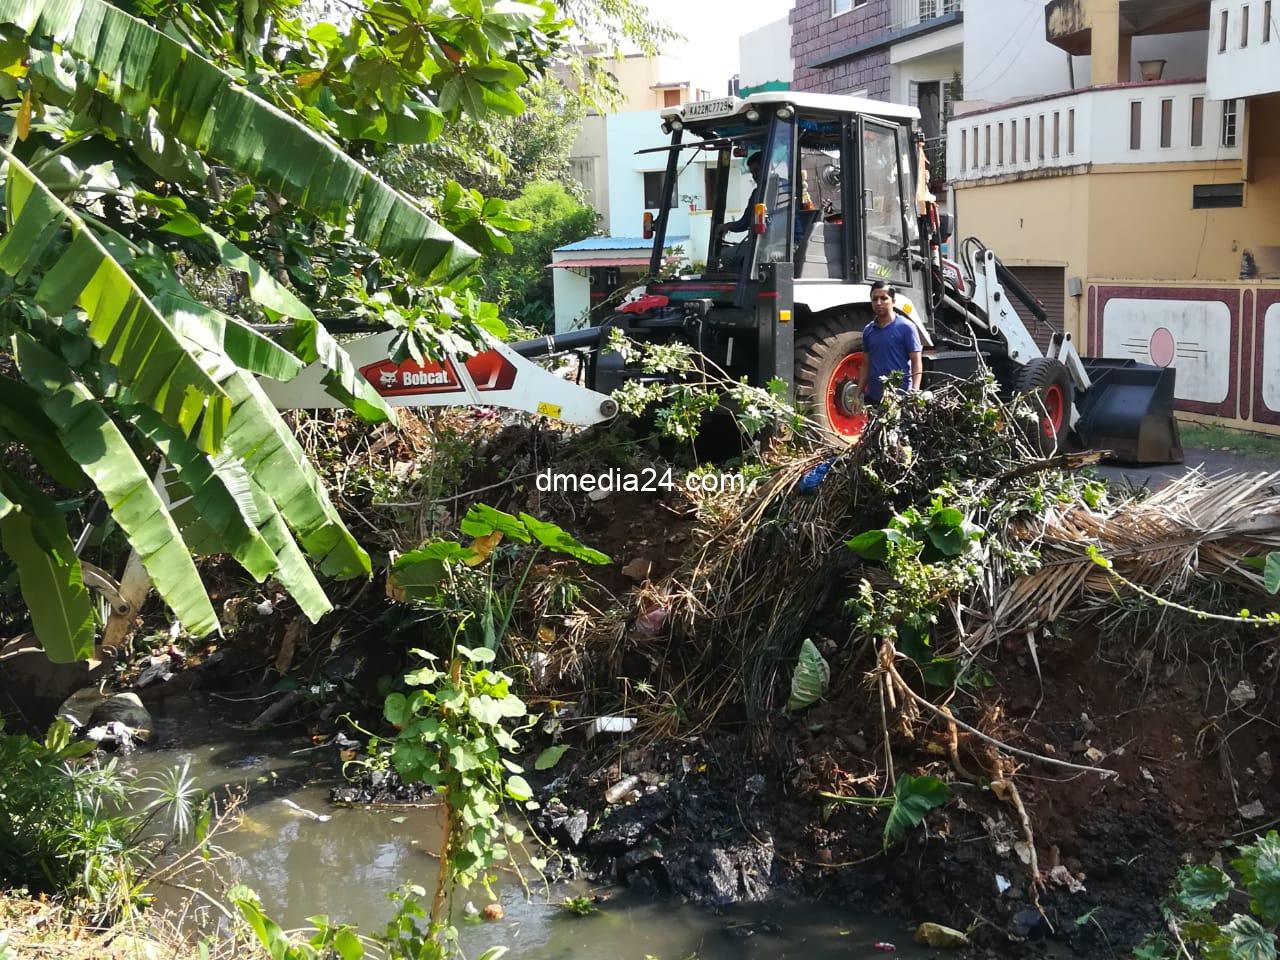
(881, 285)
(754, 157)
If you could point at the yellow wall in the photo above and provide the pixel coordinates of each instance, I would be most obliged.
(1042, 222)
(1143, 227)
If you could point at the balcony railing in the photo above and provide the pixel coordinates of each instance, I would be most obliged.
(909, 13)
(1132, 124)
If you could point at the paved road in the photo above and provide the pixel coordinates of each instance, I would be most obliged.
(1213, 462)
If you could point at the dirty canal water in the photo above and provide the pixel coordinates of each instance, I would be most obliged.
(344, 866)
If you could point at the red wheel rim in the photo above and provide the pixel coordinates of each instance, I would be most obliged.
(846, 423)
(1055, 407)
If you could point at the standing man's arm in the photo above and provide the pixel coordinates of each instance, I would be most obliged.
(917, 369)
(864, 375)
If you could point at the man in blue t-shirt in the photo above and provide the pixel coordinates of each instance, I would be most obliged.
(890, 342)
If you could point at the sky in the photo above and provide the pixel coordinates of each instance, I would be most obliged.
(712, 29)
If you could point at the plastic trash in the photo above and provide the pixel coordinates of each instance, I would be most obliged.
(610, 725)
(619, 790)
(813, 479)
(320, 817)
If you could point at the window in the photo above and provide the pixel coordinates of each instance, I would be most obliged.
(1222, 32)
(653, 189)
(1135, 125)
(1229, 115)
(671, 98)
(964, 150)
(1057, 133)
(583, 170)
(710, 180)
(986, 147)
(1166, 124)
(1208, 196)
(975, 148)
(1197, 121)
(1266, 22)
(1040, 138)
(1000, 145)
(883, 223)
(1244, 26)
(1071, 131)
(1026, 139)
(844, 6)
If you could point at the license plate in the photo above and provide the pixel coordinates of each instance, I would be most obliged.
(701, 109)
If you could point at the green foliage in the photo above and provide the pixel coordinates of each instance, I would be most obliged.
(452, 738)
(1202, 888)
(501, 156)
(176, 173)
(1271, 572)
(929, 555)
(549, 757)
(810, 680)
(1259, 867)
(67, 831)
(456, 722)
(579, 906)
(447, 577)
(406, 937)
(1195, 909)
(326, 941)
(521, 279)
(691, 388)
(913, 798)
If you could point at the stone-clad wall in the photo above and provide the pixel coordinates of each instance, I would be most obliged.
(815, 34)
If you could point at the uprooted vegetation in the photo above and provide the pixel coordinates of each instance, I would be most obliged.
(1050, 691)
(981, 618)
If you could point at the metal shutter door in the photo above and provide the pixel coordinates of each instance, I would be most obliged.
(1049, 286)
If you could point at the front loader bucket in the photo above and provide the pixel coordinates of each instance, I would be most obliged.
(1129, 411)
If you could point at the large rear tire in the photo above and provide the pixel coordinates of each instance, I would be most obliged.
(828, 360)
(1046, 383)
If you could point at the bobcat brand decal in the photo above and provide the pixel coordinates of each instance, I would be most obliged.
(489, 371)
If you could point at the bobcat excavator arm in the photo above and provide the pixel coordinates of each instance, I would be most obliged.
(499, 377)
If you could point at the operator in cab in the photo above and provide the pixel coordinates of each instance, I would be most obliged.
(890, 342)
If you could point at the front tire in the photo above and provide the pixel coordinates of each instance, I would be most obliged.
(1046, 384)
(828, 360)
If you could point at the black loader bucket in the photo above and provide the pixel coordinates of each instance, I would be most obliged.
(1129, 411)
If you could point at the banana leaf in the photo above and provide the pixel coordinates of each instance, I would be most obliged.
(206, 109)
(306, 337)
(34, 536)
(280, 466)
(161, 369)
(94, 441)
(219, 489)
(220, 508)
(22, 420)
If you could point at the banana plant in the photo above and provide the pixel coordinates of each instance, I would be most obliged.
(121, 378)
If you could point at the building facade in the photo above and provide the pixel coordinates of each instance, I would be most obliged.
(906, 51)
(1147, 199)
(623, 183)
(764, 58)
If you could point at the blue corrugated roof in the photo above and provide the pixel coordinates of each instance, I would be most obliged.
(614, 243)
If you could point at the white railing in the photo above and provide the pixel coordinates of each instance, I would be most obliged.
(1133, 123)
(908, 13)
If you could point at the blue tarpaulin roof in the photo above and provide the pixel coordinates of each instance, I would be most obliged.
(613, 243)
